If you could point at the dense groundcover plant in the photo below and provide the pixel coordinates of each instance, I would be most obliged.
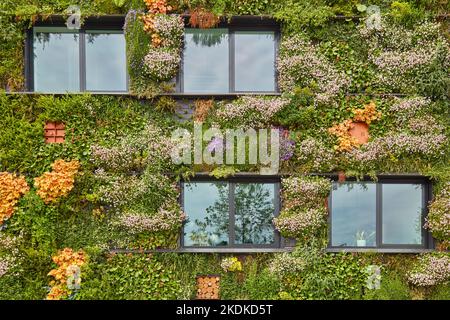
(430, 270)
(438, 220)
(303, 205)
(125, 193)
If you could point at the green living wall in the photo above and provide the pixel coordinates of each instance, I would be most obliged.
(111, 184)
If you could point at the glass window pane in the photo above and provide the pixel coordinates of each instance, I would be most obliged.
(402, 213)
(205, 64)
(105, 62)
(353, 217)
(206, 207)
(254, 61)
(254, 213)
(56, 60)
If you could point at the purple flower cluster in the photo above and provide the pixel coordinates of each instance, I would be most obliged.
(287, 145)
(130, 18)
(168, 217)
(438, 219)
(301, 64)
(431, 270)
(251, 111)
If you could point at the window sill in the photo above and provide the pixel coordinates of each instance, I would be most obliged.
(208, 250)
(170, 94)
(380, 250)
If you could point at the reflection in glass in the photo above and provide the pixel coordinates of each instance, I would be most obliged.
(402, 213)
(254, 61)
(56, 61)
(105, 62)
(206, 207)
(254, 213)
(353, 214)
(205, 61)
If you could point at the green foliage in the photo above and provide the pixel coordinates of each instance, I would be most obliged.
(393, 287)
(325, 276)
(441, 292)
(223, 172)
(299, 14)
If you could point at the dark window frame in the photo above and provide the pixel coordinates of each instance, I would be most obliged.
(427, 239)
(279, 241)
(234, 26)
(105, 23)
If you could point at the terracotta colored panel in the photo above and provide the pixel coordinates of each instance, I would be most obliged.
(50, 133)
(54, 132)
(360, 131)
(208, 286)
(50, 125)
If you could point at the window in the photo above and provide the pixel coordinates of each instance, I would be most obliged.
(71, 61)
(224, 60)
(386, 214)
(230, 213)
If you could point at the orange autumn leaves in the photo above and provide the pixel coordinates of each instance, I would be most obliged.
(68, 264)
(57, 183)
(154, 7)
(346, 142)
(50, 186)
(12, 187)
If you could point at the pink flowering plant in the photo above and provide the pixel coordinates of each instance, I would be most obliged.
(168, 217)
(314, 156)
(249, 112)
(430, 269)
(162, 64)
(11, 258)
(401, 56)
(415, 133)
(141, 202)
(438, 219)
(303, 210)
(301, 64)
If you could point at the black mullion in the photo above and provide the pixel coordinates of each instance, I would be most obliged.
(231, 60)
(277, 207)
(277, 41)
(330, 211)
(82, 59)
(29, 60)
(231, 210)
(422, 216)
(379, 217)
